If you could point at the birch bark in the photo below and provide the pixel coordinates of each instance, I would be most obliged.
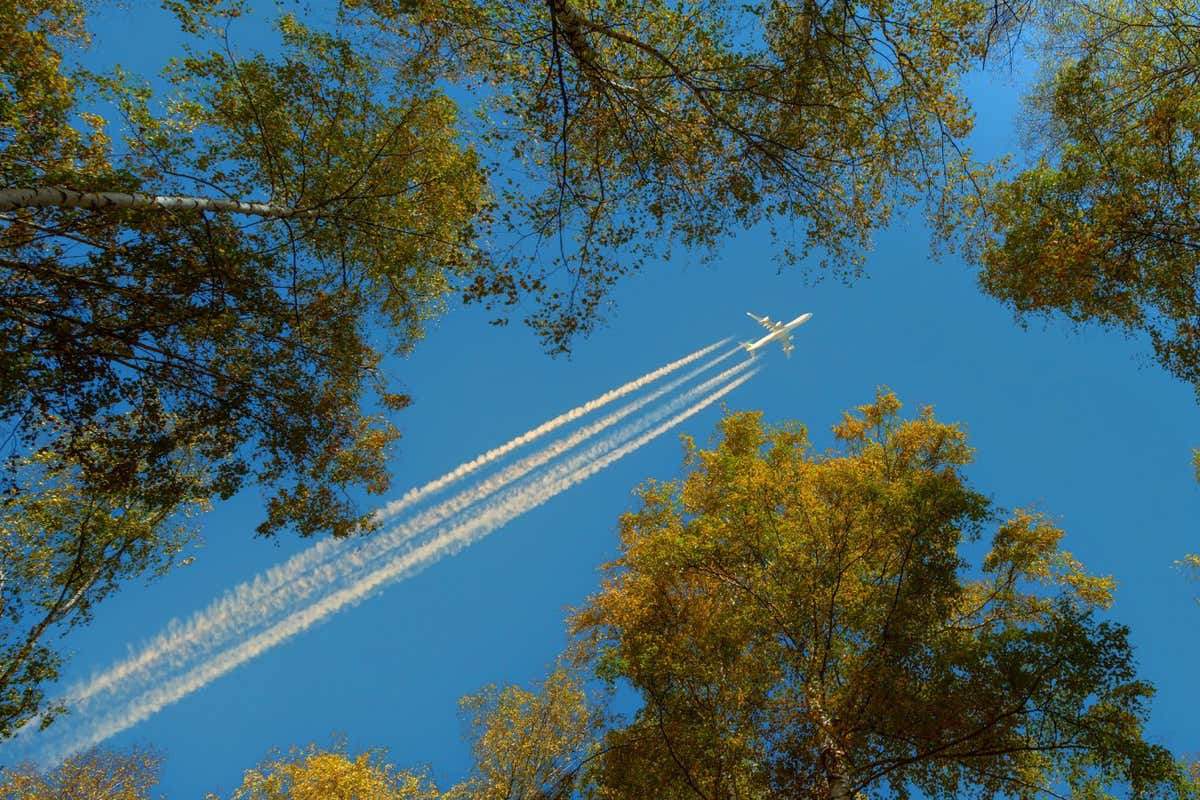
(833, 756)
(49, 196)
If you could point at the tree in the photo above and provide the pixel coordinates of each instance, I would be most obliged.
(626, 126)
(315, 774)
(530, 744)
(64, 548)
(97, 774)
(168, 344)
(805, 624)
(1104, 227)
(527, 744)
(150, 328)
(1190, 566)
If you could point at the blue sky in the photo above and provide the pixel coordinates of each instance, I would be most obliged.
(1079, 424)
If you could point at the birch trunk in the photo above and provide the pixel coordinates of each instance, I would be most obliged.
(833, 757)
(44, 197)
(574, 27)
(572, 24)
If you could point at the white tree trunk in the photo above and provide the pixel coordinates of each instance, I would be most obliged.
(46, 196)
(574, 26)
(833, 756)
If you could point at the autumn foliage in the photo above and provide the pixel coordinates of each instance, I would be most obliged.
(819, 624)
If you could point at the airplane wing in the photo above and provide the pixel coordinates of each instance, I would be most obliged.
(764, 321)
(786, 341)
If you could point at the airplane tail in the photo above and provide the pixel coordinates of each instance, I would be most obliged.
(749, 347)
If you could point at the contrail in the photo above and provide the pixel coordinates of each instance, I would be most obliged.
(495, 513)
(413, 495)
(255, 602)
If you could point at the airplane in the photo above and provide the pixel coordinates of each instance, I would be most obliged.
(777, 331)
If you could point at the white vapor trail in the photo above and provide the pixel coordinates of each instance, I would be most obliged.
(280, 589)
(413, 495)
(496, 512)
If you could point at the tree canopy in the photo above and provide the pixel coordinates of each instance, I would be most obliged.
(1103, 227)
(160, 354)
(313, 773)
(628, 126)
(804, 624)
(531, 743)
(97, 774)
